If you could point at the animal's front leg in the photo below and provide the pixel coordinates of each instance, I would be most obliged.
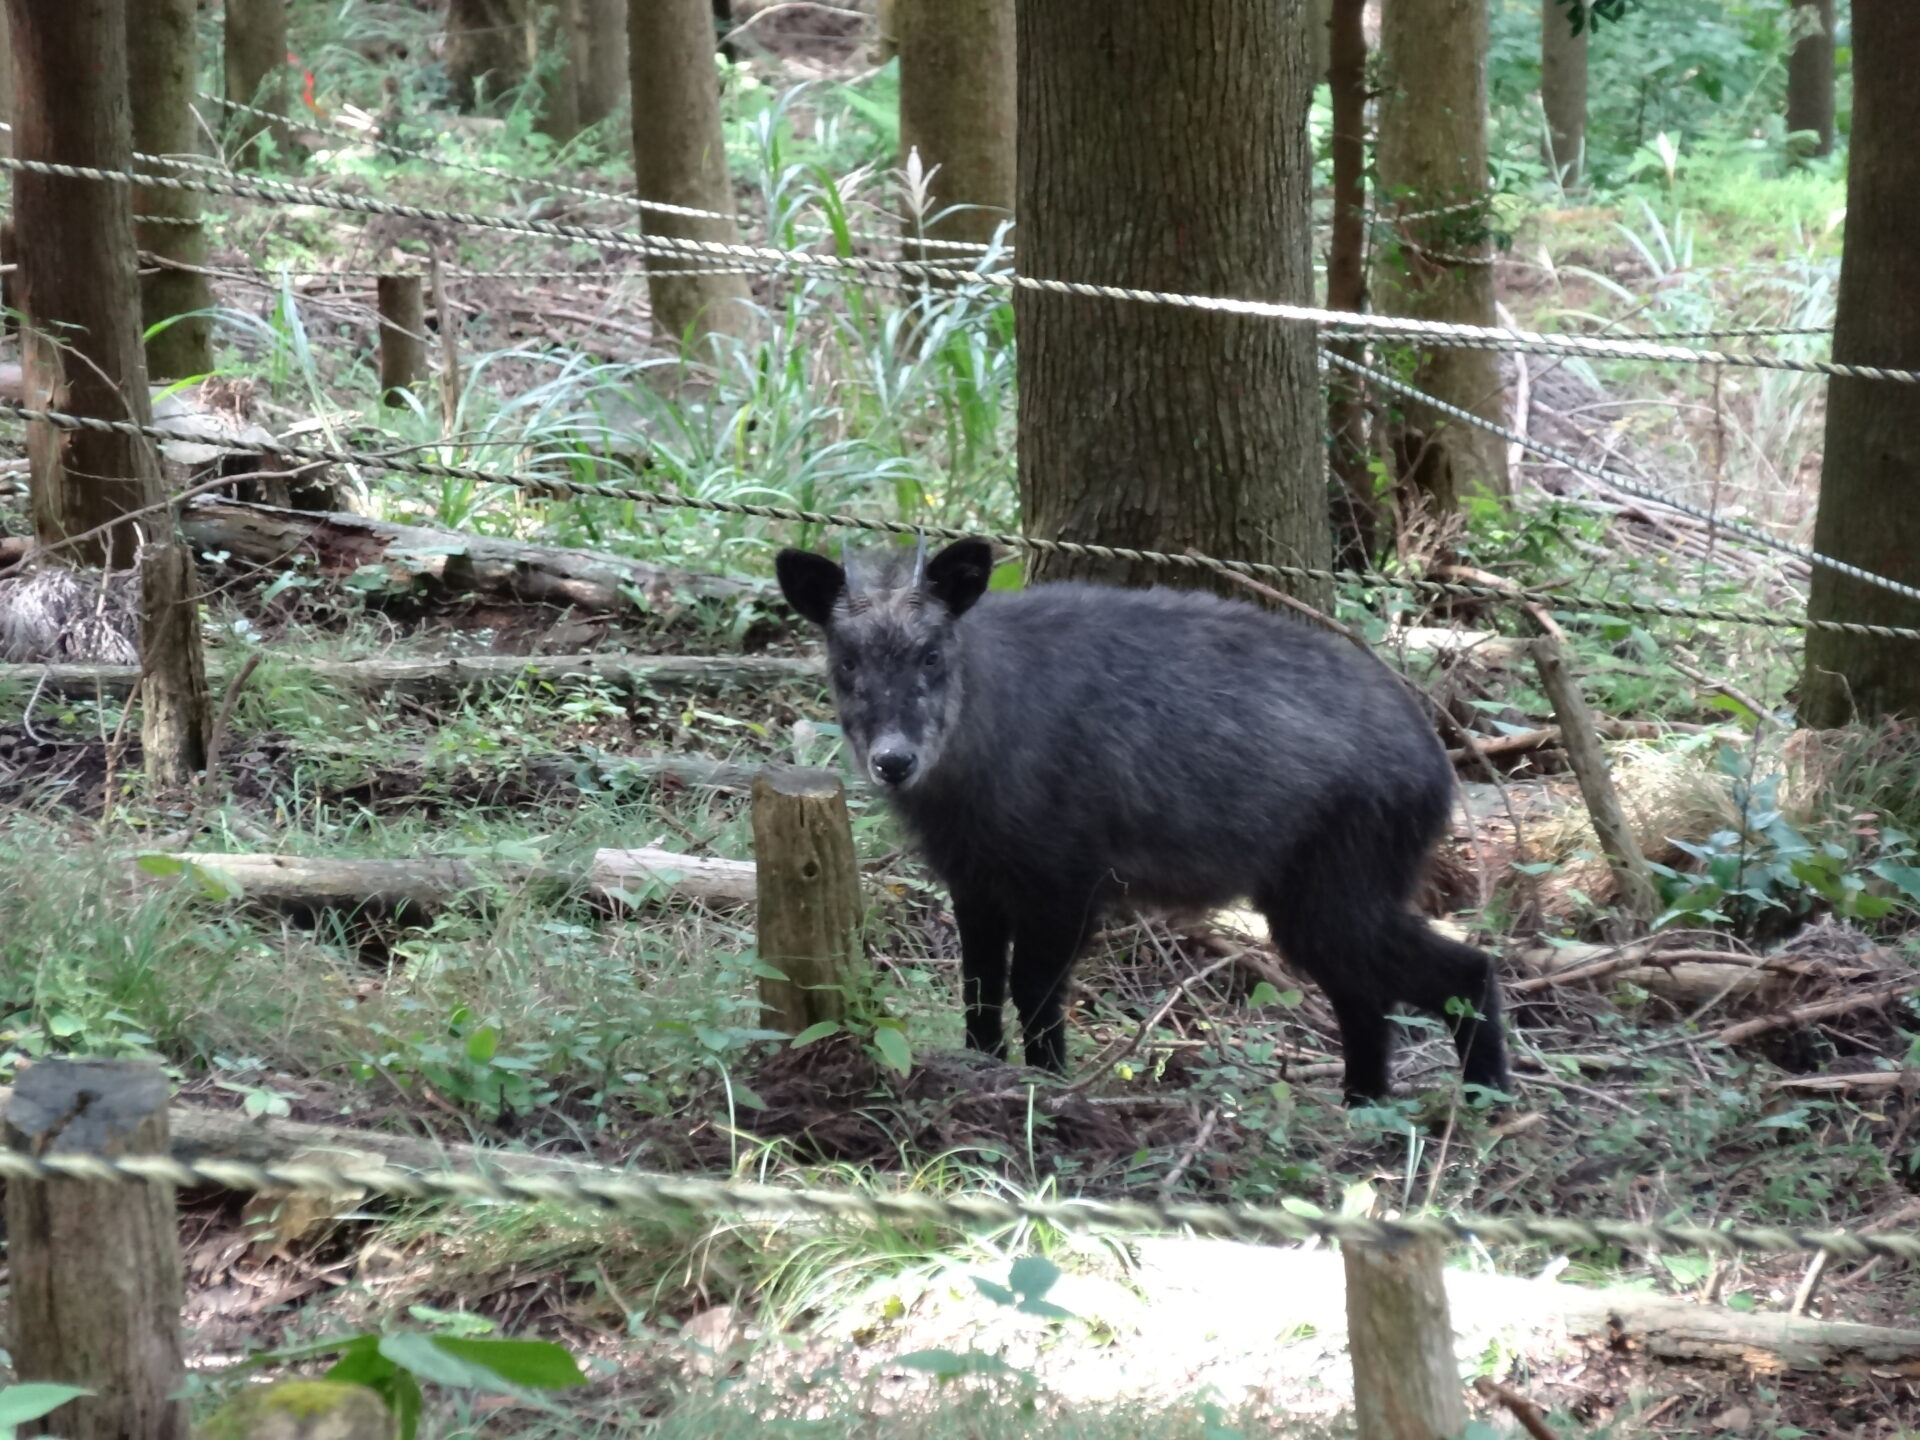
(984, 933)
(1045, 945)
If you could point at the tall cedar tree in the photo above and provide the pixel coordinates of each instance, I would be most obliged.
(161, 88)
(1870, 472)
(255, 53)
(1356, 515)
(680, 158)
(1433, 153)
(489, 48)
(957, 104)
(1563, 88)
(1810, 73)
(1165, 146)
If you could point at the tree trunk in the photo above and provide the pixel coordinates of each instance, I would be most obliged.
(1433, 153)
(1563, 89)
(1356, 516)
(6, 85)
(488, 52)
(807, 884)
(256, 61)
(1165, 146)
(680, 158)
(1320, 37)
(176, 715)
(1810, 74)
(957, 99)
(1406, 1381)
(161, 89)
(1867, 512)
(81, 352)
(603, 81)
(562, 59)
(403, 336)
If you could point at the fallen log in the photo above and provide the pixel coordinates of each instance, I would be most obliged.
(1685, 977)
(408, 889)
(440, 677)
(445, 562)
(1548, 736)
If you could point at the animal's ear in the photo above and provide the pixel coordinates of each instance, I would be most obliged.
(812, 583)
(958, 575)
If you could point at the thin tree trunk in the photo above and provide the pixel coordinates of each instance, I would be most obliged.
(1563, 89)
(1165, 146)
(1319, 37)
(1810, 74)
(603, 82)
(957, 102)
(6, 86)
(1356, 516)
(161, 90)
(1867, 511)
(680, 158)
(256, 61)
(81, 351)
(1433, 153)
(1406, 1382)
(562, 59)
(488, 52)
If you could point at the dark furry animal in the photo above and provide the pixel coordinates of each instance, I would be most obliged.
(1062, 750)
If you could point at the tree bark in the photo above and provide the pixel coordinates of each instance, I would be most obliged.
(1810, 74)
(680, 158)
(94, 1270)
(562, 60)
(488, 49)
(256, 63)
(403, 336)
(81, 353)
(161, 89)
(1406, 1382)
(1356, 515)
(444, 678)
(1563, 89)
(1432, 153)
(176, 715)
(603, 83)
(1867, 512)
(808, 884)
(957, 102)
(6, 84)
(1165, 147)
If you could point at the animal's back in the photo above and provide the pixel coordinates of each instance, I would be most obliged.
(1177, 743)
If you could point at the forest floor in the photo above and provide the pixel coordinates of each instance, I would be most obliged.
(526, 1020)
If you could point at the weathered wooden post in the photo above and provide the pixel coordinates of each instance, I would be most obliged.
(1406, 1382)
(1638, 896)
(176, 709)
(403, 336)
(95, 1268)
(809, 896)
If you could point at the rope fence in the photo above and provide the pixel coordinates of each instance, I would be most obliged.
(1378, 327)
(672, 1198)
(562, 488)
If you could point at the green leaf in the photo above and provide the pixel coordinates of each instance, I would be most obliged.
(1904, 878)
(534, 1364)
(815, 1032)
(894, 1050)
(157, 865)
(482, 1043)
(946, 1365)
(21, 1403)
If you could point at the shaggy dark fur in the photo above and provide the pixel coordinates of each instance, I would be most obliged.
(1067, 749)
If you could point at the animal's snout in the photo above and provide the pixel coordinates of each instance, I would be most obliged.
(893, 765)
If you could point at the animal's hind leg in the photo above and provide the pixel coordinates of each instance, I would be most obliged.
(1432, 971)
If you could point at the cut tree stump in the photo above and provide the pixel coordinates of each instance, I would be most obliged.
(423, 557)
(95, 1278)
(403, 336)
(444, 677)
(809, 897)
(176, 712)
(1406, 1382)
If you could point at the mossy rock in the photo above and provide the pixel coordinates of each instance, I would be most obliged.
(301, 1410)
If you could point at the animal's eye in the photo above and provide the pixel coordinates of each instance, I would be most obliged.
(845, 666)
(931, 660)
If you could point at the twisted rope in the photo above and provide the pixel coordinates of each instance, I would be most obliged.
(556, 487)
(671, 1198)
(1618, 482)
(1381, 327)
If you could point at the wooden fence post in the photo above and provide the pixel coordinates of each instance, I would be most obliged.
(96, 1279)
(403, 336)
(1581, 737)
(808, 894)
(1406, 1382)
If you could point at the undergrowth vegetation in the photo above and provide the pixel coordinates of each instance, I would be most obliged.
(529, 1016)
